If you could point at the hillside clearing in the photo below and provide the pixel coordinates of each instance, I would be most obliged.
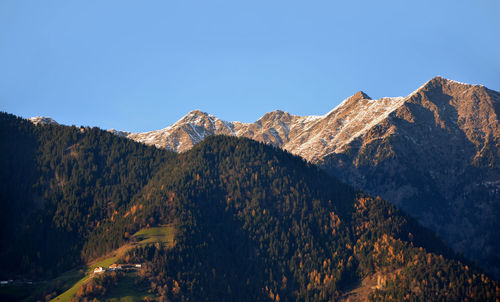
(162, 234)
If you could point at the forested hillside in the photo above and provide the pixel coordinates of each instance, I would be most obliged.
(257, 223)
(56, 184)
(251, 222)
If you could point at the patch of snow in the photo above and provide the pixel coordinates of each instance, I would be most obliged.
(336, 108)
(341, 126)
(365, 114)
(42, 120)
(311, 118)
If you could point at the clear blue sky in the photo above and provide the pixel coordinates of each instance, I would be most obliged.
(141, 65)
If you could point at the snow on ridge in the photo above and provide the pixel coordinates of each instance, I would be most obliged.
(396, 102)
(357, 120)
(343, 103)
(443, 79)
(42, 120)
(337, 107)
(419, 88)
(353, 124)
(311, 118)
(199, 118)
(457, 82)
(462, 83)
(277, 111)
(229, 125)
(200, 132)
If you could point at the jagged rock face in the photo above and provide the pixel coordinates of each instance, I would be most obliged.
(437, 157)
(311, 137)
(434, 153)
(333, 132)
(185, 133)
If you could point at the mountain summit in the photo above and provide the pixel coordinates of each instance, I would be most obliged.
(360, 95)
(435, 153)
(42, 120)
(437, 156)
(311, 137)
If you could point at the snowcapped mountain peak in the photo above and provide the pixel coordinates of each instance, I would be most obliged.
(442, 80)
(186, 132)
(440, 83)
(197, 112)
(196, 117)
(314, 137)
(276, 115)
(311, 137)
(43, 120)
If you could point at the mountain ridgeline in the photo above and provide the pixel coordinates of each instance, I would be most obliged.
(252, 222)
(434, 153)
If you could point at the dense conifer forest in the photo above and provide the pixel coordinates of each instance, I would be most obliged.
(57, 184)
(252, 222)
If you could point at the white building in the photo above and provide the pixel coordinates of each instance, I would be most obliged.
(98, 270)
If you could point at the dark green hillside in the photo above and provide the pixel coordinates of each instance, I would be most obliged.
(255, 223)
(57, 184)
(251, 222)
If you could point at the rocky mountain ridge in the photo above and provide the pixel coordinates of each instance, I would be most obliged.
(434, 153)
(437, 156)
(311, 137)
